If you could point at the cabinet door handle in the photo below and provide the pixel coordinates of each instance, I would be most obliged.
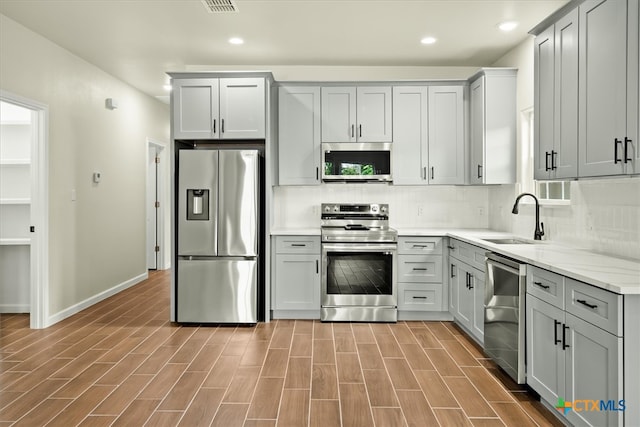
(546, 161)
(553, 160)
(352, 131)
(424, 173)
(214, 126)
(221, 125)
(419, 269)
(556, 341)
(432, 171)
(451, 272)
(479, 171)
(541, 285)
(564, 337)
(616, 141)
(359, 131)
(317, 267)
(626, 149)
(470, 280)
(419, 297)
(317, 173)
(591, 306)
(453, 248)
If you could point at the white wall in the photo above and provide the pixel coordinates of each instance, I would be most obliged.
(97, 242)
(439, 206)
(604, 214)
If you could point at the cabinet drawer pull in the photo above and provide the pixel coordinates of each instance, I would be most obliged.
(419, 269)
(564, 337)
(583, 302)
(419, 297)
(556, 341)
(616, 141)
(626, 149)
(453, 248)
(420, 246)
(299, 245)
(541, 285)
(452, 267)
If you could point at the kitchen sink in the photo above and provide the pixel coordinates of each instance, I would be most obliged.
(508, 241)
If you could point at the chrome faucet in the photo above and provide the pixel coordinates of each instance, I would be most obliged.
(539, 226)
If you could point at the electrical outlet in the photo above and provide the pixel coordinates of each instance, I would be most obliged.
(420, 210)
(480, 211)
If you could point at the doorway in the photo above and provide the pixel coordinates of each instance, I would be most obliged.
(24, 208)
(157, 204)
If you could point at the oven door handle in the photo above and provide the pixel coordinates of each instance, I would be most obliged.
(359, 247)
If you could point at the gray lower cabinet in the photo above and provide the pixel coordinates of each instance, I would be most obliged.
(296, 277)
(466, 281)
(420, 280)
(569, 358)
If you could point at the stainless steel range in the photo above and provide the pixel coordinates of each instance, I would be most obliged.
(359, 274)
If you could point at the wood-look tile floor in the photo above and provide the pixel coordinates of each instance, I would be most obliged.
(122, 363)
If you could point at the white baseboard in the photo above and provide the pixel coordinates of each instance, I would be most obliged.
(76, 308)
(14, 308)
(425, 315)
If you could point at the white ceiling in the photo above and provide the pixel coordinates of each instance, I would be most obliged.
(139, 40)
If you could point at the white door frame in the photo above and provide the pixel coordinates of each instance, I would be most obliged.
(161, 148)
(39, 210)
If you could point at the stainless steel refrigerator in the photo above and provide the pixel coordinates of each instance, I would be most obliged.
(217, 233)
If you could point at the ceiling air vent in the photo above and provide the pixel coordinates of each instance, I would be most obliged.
(220, 6)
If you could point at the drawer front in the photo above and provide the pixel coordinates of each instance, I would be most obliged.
(414, 297)
(596, 306)
(420, 245)
(420, 268)
(297, 244)
(470, 254)
(547, 286)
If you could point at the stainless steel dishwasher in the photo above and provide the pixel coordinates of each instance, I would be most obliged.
(504, 314)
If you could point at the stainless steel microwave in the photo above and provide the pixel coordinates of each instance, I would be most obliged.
(357, 162)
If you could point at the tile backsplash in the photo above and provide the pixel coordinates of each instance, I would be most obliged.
(603, 216)
(409, 207)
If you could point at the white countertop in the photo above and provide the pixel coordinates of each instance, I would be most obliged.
(618, 275)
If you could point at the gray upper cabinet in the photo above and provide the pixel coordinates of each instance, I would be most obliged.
(556, 100)
(608, 37)
(446, 135)
(492, 112)
(211, 108)
(299, 135)
(361, 114)
(410, 148)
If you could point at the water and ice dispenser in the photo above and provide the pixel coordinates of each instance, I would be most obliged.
(197, 205)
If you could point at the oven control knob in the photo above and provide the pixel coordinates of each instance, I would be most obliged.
(336, 209)
(383, 209)
(327, 209)
(374, 208)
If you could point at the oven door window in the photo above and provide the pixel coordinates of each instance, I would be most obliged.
(355, 273)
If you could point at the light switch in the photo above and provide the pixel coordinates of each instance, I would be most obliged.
(73, 194)
(96, 177)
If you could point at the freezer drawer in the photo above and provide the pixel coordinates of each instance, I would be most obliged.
(217, 291)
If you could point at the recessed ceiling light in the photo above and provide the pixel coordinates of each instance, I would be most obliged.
(166, 87)
(507, 26)
(236, 40)
(428, 40)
